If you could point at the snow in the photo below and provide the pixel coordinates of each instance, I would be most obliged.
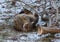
(29, 1)
(18, 4)
(48, 7)
(26, 1)
(48, 3)
(9, 41)
(57, 35)
(4, 4)
(3, 10)
(56, 40)
(2, 21)
(0, 6)
(33, 36)
(13, 10)
(18, 10)
(11, 14)
(2, 1)
(40, 22)
(41, 9)
(23, 38)
(43, 2)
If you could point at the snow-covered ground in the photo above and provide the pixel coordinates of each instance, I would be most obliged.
(8, 35)
(2, 1)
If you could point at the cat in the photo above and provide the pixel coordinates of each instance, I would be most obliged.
(25, 22)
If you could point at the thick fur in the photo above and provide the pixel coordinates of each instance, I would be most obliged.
(24, 22)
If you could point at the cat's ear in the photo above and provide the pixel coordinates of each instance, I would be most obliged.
(27, 11)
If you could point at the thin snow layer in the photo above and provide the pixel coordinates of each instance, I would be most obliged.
(40, 22)
(57, 35)
(2, 1)
(28, 1)
(0, 6)
(31, 36)
(56, 40)
(2, 21)
(48, 3)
